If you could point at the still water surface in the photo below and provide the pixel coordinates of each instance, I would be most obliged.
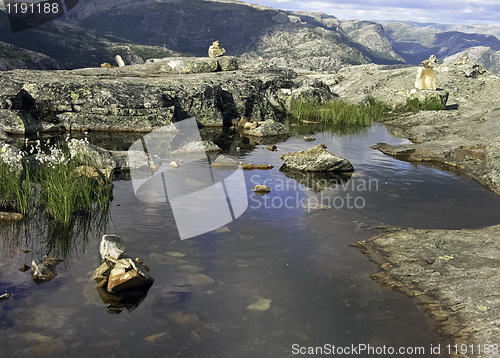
(297, 258)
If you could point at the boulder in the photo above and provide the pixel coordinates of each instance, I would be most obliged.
(316, 159)
(124, 277)
(267, 128)
(225, 162)
(228, 63)
(429, 96)
(198, 147)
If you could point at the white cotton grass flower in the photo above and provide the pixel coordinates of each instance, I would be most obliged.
(12, 158)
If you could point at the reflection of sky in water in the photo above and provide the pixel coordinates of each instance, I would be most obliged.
(389, 191)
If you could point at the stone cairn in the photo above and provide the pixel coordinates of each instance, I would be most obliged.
(215, 50)
(426, 77)
(121, 281)
(463, 60)
(119, 61)
(425, 84)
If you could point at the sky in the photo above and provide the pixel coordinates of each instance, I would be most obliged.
(466, 12)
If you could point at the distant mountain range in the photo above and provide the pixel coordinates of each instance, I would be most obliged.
(95, 31)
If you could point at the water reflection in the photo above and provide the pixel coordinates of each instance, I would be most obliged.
(41, 236)
(300, 259)
(317, 181)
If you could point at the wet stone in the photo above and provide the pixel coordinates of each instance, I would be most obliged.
(262, 304)
(200, 280)
(165, 259)
(158, 337)
(50, 348)
(186, 319)
(44, 270)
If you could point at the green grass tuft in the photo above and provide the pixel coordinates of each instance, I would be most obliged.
(339, 113)
(431, 104)
(50, 181)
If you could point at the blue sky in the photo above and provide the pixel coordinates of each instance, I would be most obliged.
(438, 11)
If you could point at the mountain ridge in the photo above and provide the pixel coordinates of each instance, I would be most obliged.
(94, 32)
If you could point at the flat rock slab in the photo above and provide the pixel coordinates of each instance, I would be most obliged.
(316, 159)
(454, 273)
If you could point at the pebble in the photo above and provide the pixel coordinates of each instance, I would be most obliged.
(200, 280)
(262, 189)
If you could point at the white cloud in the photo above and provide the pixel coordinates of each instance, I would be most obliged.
(443, 11)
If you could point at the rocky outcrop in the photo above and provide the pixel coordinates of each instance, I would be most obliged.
(454, 274)
(13, 57)
(479, 55)
(195, 64)
(373, 39)
(140, 98)
(464, 137)
(59, 44)
(426, 97)
(316, 159)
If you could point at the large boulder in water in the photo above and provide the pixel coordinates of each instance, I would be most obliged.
(316, 159)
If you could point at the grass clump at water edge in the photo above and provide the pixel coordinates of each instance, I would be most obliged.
(49, 179)
(339, 113)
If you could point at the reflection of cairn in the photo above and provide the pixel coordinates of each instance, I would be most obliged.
(215, 50)
(121, 281)
(426, 77)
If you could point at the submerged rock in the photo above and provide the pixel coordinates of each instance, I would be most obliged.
(44, 270)
(249, 166)
(262, 304)
(316, 159)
